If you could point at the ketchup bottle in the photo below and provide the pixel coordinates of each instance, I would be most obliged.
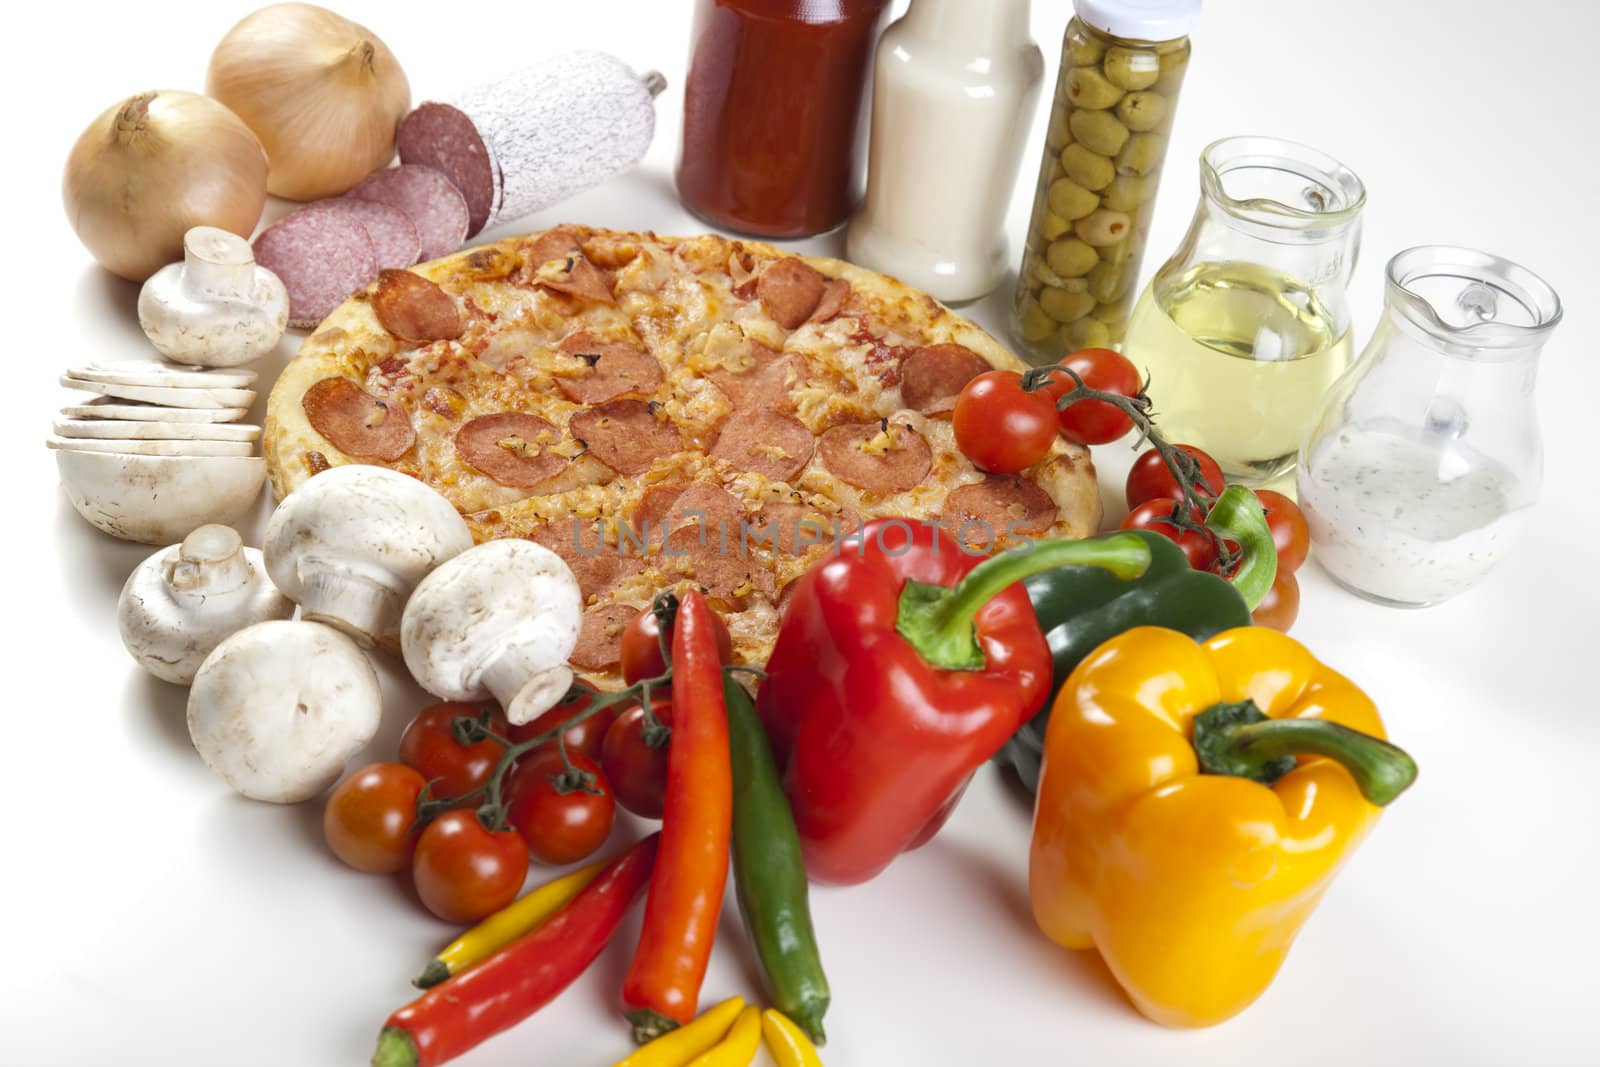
(772, 113)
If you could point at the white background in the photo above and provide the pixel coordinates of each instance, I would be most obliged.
(153, 918)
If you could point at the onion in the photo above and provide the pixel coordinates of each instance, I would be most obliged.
(322, 93)
(153, 166)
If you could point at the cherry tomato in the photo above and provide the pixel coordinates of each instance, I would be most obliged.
(1095, 422)
(559, 827)
(1156, 516)
(1149, 478)
(429, 745)
(586, 737)
(464, 871)
(637, 772)
(1001, 428)
(1289, 530)
(1281, 605)
(368, 820)
(641, 646)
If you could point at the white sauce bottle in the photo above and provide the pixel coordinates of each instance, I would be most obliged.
(954, 91)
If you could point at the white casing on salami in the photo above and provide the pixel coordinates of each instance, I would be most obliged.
(558, 127)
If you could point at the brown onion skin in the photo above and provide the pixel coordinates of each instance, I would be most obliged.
(153, 166)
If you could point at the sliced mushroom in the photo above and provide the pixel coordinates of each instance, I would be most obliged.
(497, 621)
(216, 308)
(278, 708)
(181, 602)
(350, 544)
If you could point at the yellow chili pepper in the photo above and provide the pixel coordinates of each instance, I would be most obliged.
(506, 925)
(789, 1044)
(678, 1046)
(738, 1049)
(1195, 803)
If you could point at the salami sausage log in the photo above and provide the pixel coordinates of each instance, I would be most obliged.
(428, 198)
(537, 136)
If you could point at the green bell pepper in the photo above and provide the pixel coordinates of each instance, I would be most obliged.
(1079, 608)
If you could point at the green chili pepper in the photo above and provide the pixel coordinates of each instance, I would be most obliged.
(769, 874)
(1238, 516)
(1080, 608)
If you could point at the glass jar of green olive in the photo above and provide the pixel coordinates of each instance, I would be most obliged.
(1122, 64)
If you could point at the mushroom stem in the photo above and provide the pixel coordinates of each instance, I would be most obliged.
(210, 563)
(521, 674)
(218, 263)
(358, 604)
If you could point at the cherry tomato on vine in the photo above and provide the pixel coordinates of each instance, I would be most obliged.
(1095, 422)
(464, 871)
(637, 772)
(559, 827)
(367, 822)
(1289, 530)
(1000, 427)
(1149, 479)
(586, 737)
(641, 646)
(1281, 605)
(1156, 516)
(429, 745)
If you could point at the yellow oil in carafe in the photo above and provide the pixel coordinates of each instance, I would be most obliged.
(1239, 358)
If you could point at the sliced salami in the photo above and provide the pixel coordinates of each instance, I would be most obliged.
(444, 138)
(626, 435)
(393, 235)
(655, 505)
(321, 258)
(933, 376)
(715, 560)
(599, 644)
(790, 528)
(834, 295)
(769, 443)
(428, 198)
(557, 261)
(615, 368)
(1000, 506)
(356, 422)
(511, 447)
(596, 565)
(790, 289)
(880, 457)
(765, 384)
(415, 309)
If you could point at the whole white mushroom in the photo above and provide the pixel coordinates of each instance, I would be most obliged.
(278, 708)
(497, 621)
(182, 601)
(350, 544)
(216, 308)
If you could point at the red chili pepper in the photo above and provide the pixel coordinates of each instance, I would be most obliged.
(902, 664)
(521, 978)
(662, 988)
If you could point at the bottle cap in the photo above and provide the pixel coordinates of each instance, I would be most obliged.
(1141, 20)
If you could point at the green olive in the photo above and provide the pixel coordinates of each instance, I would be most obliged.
(1087, 169)
(1125, 193)
(1142, 111)
(1142, 154)
(1063, 305)
(1057, 135)
(1033, 323)
(1083, 50)
(1114, 315)
(1108, 282)
(1087, 333)
(1103, 227)
(1132, 68)
(1054, 225)
(1098, 131)
(1071, 258)
(1071, 200)
(1087, 88)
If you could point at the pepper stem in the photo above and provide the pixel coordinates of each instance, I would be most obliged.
(1239, 739)
(939, 620)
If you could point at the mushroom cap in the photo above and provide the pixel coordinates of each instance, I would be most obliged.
(159, 499)
(182, 601)
(278, 708)
(509, 603)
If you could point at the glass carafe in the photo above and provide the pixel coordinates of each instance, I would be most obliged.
(1244, 329)
(1426, 458)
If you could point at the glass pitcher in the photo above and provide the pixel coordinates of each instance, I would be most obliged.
(1245, 328)
(1426, 458)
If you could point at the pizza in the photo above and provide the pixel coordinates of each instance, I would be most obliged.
(661, 410)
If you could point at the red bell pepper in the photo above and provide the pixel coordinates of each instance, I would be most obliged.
(902, 664)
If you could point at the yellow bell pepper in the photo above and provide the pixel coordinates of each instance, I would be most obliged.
(739, 1047)
(788, 1043)
(1194, 804)
(680, 1045)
